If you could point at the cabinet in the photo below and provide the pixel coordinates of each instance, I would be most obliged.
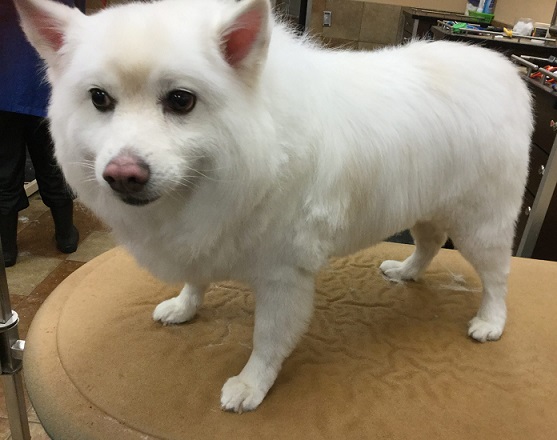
(508, 46)
(536, 235)
(417, 22)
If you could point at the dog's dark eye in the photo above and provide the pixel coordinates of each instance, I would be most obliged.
(102, 100)
(179, 101)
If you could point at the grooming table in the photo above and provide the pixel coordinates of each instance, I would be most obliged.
(381, 360)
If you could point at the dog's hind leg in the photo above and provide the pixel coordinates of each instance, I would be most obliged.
(429, 238)
(488, 249)
(181, 308)
(283, 308)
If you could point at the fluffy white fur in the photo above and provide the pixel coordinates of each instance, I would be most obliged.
(293, 153)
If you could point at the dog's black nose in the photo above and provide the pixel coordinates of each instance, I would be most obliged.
(127, 173)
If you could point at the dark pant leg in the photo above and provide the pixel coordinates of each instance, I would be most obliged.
(52, 186)
(12, 163)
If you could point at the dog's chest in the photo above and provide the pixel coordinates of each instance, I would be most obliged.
(176, 254)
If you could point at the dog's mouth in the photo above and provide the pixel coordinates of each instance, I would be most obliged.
(137, 201)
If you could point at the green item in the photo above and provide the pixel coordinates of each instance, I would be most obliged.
(458, 26)
(484, 18)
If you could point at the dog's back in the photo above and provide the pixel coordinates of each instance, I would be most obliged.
(401, 134)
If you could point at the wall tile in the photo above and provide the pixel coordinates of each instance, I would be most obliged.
(380, 23)
(346, 19)
(316, 23)
(339, 43)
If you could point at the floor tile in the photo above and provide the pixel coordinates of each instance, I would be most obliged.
(37, 432)
(26, 312)
(15, 300)
(52, 280)
(4, 411)
(4, 428)
(28, 273)
(37, 238)
(85, 221)
(95, 244)
(33, 212)
(36, 233)
(32, 415)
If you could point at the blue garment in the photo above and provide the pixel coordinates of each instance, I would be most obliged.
(23, 87)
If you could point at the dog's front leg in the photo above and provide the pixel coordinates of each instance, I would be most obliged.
(282, 312)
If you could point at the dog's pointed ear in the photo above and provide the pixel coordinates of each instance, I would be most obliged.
(45, 23)
(245, 36)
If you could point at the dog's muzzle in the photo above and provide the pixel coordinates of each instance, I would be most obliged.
(128, 175)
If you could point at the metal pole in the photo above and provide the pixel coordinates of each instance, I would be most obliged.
(11, 353)
(15, 405)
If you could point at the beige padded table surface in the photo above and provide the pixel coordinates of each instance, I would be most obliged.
(381, 360)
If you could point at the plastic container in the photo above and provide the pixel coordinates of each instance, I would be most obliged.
(483, 17)
(488, 7)
(482, 9)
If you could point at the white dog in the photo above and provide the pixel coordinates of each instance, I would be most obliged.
(218, 146)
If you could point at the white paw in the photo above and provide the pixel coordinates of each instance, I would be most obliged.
(482, 330)
(174, 311)
(396, 271)
(239, 396)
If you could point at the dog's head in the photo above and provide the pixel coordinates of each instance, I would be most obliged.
(154, 100)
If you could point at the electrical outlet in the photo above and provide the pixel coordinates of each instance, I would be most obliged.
(327, 18)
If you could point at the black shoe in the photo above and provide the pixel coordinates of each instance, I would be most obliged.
(8, 231)
(68, 245)
(66, 234)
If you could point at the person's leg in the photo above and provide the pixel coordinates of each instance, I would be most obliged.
(12, 176)
(8, 232)
(53, 188)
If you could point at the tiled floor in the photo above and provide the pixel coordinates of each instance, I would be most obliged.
(40, 268)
